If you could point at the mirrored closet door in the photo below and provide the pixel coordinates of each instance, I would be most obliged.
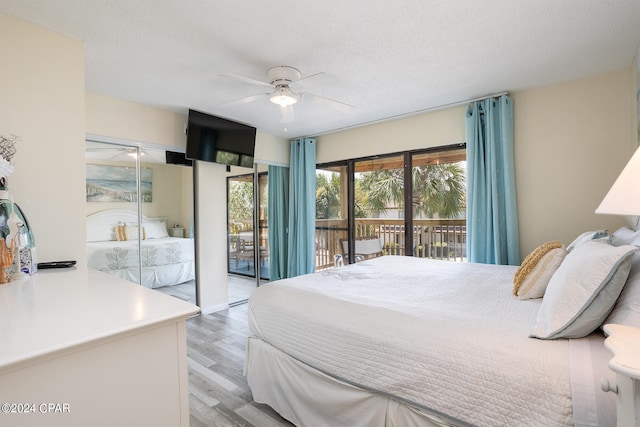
(140, 216)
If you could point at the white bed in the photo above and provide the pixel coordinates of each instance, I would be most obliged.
(165, 260)
(401, 341)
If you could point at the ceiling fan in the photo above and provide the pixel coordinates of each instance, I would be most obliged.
(123, 154)
(282, 80)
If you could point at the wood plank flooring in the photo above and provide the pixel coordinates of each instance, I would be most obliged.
(218, 392)
(239, 289)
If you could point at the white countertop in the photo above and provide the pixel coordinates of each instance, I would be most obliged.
(55, 310)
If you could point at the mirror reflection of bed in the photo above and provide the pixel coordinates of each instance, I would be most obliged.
(159, 262)
(171, 201)
(167, 257)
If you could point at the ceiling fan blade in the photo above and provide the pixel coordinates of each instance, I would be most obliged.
(246, 99)
(327, 101)
(246, 80)
(309, 76)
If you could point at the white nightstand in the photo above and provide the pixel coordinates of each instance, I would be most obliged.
(624, 343)
(176, 231)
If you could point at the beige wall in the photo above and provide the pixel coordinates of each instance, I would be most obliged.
(443, 127)
(271, 149)
(211, 229)
(130, 121)
(42, 102)
(571, 141)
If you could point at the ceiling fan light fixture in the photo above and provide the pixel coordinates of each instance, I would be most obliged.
(283, 96)
(132, 152)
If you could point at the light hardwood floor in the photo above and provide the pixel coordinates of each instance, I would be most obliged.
(239, 289)
(218, 392)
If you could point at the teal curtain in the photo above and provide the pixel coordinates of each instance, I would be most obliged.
(492, 215)
(302, 207)
(278, 221)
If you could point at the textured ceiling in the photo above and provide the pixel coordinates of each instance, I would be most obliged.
(386, 58)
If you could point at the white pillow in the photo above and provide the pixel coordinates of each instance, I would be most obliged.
(586, 237)
(624, 236)
(155, 229)
(583, 290)
(100, 233)
(626, 311)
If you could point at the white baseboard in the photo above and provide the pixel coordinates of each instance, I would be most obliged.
(214, 308)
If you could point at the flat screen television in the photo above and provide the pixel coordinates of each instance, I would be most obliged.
(218, 140)
(175, 158)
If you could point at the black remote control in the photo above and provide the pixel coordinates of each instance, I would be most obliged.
(56, 264)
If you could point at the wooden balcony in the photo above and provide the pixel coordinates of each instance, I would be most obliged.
(432, 238)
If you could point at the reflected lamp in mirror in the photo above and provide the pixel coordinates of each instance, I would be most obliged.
(624, 196)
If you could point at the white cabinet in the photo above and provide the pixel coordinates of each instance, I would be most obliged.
(624, 343)
(79, 347)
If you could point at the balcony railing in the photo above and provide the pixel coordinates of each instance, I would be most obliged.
(432, 238)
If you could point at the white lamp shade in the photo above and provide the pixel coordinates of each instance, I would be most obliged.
(624, 196)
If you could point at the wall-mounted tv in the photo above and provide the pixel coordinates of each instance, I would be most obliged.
(218, 140)
(175, 158)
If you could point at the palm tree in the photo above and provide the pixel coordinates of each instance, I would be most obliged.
(327, 196)
(438, 190)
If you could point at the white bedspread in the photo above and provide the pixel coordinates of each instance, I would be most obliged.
(447, 337)
(165, 261)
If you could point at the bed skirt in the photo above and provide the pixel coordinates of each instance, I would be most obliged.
(308, 397)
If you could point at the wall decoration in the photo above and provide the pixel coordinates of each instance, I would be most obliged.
(117, 184)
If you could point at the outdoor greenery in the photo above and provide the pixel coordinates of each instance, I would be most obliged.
(327, 196)
(240, 200)
(439, 191)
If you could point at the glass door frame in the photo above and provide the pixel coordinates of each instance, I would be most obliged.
(407, 157)
(255, 177)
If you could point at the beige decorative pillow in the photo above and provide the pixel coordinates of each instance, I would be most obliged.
(534, 274)
(128, 232)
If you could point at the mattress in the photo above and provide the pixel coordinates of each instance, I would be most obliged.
(449, 338)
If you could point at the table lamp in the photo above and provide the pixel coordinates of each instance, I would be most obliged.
(624, 196)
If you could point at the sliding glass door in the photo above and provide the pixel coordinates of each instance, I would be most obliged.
(439, 204)
(410, 203)
(379, 186)
(332, 215)
(263, 226)
(247, 234)
(240, 222)
(243, 242)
